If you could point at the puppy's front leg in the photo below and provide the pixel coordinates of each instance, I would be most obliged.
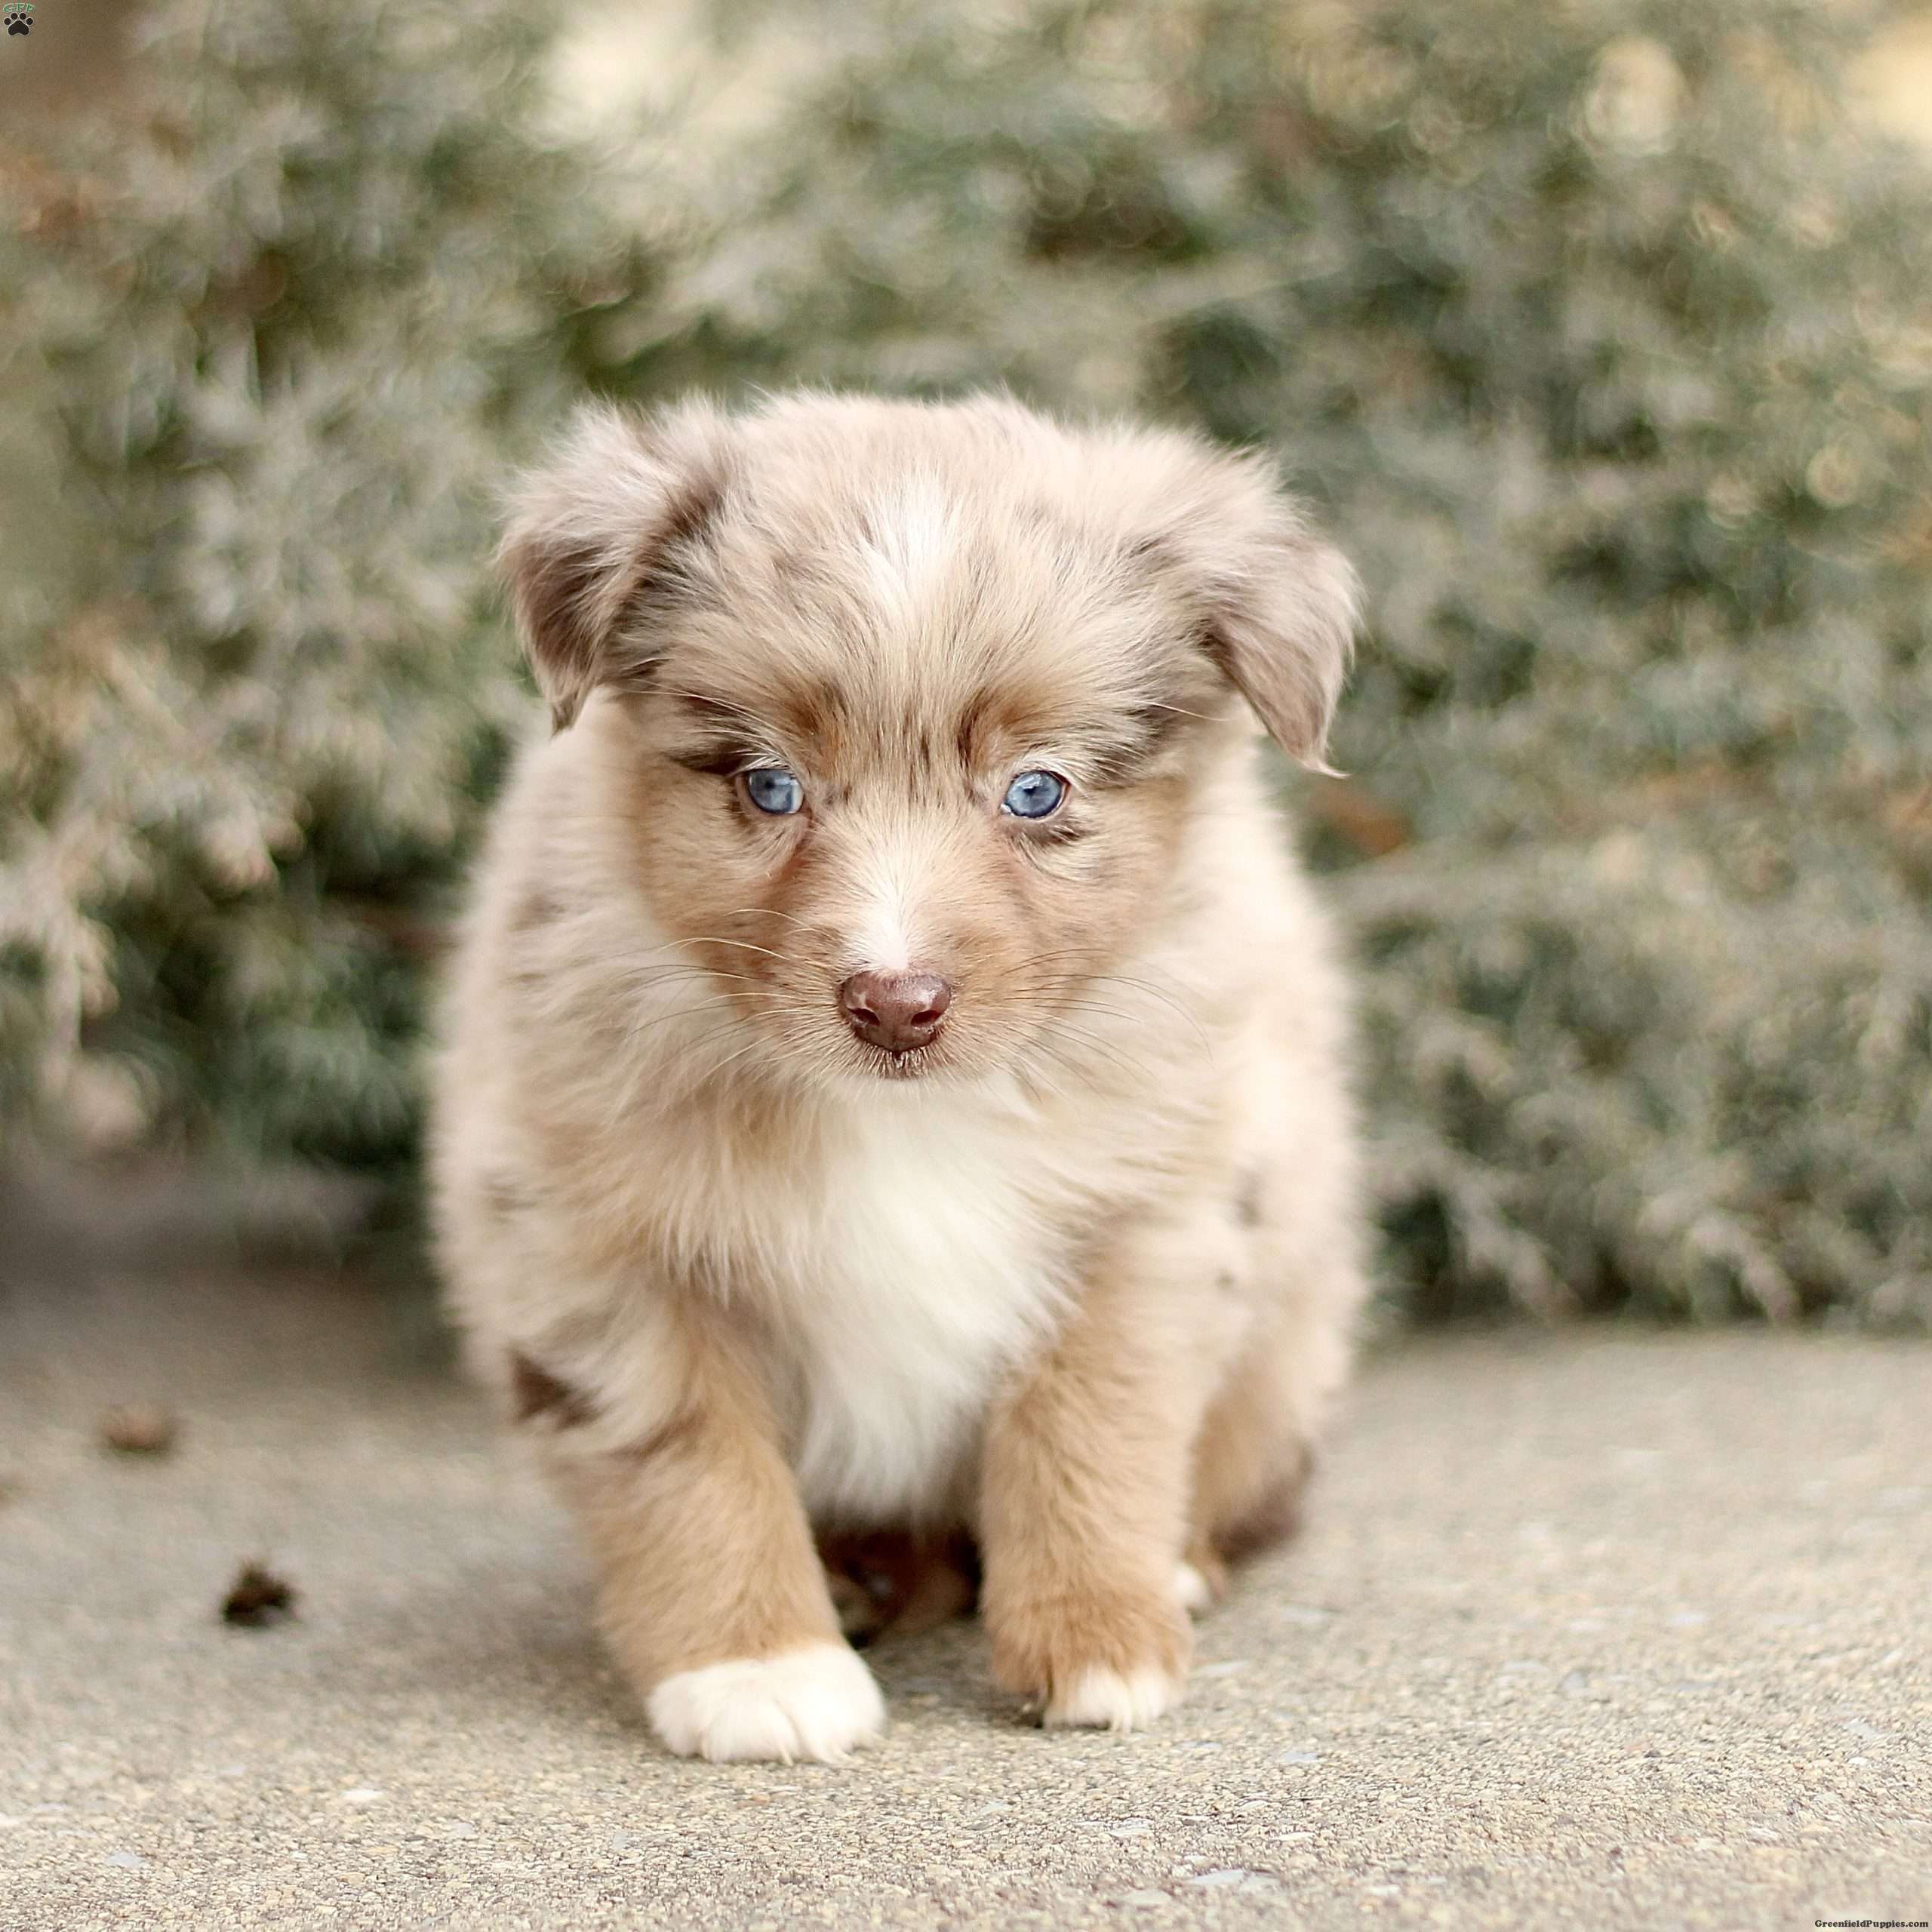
(1084, 1509)
(710, 1591)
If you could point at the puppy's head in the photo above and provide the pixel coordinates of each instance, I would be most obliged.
(912, 699)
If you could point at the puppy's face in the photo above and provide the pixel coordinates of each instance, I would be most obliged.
(915, 700)
(905, 796)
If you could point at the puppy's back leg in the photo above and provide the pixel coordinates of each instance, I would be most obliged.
(899, 1583)
(1255, 1449)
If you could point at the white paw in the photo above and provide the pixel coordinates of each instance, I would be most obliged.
(1106, 1698)
(1191, 1587)
(819, 1703)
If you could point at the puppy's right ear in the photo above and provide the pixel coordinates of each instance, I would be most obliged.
(600, 537)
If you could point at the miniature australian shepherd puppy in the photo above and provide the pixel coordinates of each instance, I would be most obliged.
(893, 1093)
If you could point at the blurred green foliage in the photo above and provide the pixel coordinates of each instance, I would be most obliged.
(273, 343)
(1598, 330)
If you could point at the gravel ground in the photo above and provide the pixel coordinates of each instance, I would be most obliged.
(1600, 1629)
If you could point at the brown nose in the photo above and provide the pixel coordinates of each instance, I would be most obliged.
(896, 1011)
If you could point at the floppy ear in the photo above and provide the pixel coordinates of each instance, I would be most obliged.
(600, 537)
(1275, 606)
(1284, 635)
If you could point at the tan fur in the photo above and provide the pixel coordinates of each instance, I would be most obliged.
(675, 1594)
(1076, 1279)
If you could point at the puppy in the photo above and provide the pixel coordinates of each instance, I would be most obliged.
(893, 1074)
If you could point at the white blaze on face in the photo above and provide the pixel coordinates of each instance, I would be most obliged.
(910, 555)
(891, 868)
(901, 866)
(913, 541)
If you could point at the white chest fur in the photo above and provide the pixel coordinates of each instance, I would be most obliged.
(927, 1272)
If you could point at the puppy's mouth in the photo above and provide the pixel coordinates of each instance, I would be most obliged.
(903, 1062)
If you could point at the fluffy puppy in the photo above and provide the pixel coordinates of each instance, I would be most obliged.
(893, 1075)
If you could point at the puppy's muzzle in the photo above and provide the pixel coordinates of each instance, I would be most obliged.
(896, 1011)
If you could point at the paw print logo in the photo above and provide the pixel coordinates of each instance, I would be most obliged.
(19, 18)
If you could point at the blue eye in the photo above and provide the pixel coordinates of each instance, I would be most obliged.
(773, 789)
(1034, 795)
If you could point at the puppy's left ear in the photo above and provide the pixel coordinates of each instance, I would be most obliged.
(1284, 636)
(1276, 606)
